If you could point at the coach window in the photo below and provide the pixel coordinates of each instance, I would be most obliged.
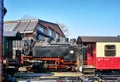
(110, 50)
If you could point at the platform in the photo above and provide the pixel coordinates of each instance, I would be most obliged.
(67, 74)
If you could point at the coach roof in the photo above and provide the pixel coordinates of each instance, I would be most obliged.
(97, 39)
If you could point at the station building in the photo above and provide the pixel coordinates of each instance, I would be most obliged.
(34, 29)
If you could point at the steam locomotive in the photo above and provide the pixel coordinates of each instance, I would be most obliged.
(46, 55)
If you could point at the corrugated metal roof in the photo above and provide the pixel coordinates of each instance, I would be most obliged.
(22, 26)
(10, 26)
(97, 39)
(32, 25)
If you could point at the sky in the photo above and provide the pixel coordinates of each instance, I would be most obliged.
(81, 17)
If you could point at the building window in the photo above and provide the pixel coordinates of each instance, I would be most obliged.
(57, 35)
(50, 31)
(42, 29)
(60, 37)
(110, 50)
(40, 37)
(54, 34)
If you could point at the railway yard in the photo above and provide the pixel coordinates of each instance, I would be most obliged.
(35, 50)
(38, 51)
(89, 59)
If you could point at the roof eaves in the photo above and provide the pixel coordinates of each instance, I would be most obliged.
(26, 31)
(47, 22)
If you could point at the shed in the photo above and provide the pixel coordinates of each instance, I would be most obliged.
(8, 37)
(15, 35)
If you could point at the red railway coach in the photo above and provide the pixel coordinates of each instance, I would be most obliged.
(103, 53)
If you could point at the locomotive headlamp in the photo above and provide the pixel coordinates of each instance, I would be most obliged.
(71, 51)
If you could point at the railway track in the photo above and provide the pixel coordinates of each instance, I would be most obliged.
(66, 77)
(111, 77)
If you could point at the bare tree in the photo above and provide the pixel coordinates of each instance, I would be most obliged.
(64, 28)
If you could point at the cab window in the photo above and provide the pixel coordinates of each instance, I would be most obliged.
(110, 50)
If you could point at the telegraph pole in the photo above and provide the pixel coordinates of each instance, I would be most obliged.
(1, 35)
